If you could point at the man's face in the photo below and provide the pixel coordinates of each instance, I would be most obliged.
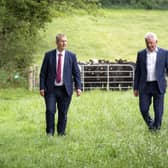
(61, 43)
(151, 44)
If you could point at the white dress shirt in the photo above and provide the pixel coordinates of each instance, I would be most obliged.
(151, 65)
(62, 67)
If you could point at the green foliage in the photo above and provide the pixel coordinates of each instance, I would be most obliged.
(104, 130)
(67, 6)
(20, 23)
(19, 26)
(12, 77)
(19, 33)
(146, 4)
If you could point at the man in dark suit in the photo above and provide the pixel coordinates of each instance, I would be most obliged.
(150, 82)
(58, 70)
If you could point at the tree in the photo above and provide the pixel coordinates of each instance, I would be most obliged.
(19, 25)
(19, 29)
(21, 19)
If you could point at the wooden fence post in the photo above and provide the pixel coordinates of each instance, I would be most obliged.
(30, 78)
(36, 77)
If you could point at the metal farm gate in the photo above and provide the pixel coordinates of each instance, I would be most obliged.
(107, 76)
(96, 76)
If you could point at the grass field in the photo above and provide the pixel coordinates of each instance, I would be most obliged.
(110, 34)
(105, 130)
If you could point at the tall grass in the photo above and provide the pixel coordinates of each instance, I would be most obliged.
(109, 34)
(105, 129)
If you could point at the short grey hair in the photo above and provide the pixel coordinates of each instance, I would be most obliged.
(151, 35)
(59, 35)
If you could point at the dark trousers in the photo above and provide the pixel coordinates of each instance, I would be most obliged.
(60, 99)
(145, 98)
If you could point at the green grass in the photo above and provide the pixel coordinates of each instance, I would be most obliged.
(110, 34)
(105, 129)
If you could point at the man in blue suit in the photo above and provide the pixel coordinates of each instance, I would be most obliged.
(58, 70)
(149, 81)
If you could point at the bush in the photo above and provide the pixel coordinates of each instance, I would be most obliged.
(14, 78)
(152, 4)
(20, 23)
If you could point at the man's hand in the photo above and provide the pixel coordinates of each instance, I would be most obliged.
(136, 93)
(78, 92)
(42, 93)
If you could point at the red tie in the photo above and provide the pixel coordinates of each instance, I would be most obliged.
(58, 77)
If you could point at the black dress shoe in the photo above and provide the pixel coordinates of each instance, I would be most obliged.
(154, 129)
(151, 127)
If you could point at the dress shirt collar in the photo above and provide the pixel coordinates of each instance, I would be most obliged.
(63, 52)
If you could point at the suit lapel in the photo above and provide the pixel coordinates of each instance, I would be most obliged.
(158, 59)
(145, 60)
(65, 62)
(54, 60)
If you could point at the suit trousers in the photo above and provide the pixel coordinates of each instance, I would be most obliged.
(60, 100)
(151, 92)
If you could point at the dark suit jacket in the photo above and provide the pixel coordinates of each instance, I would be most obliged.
(70, 72)
(141, 70)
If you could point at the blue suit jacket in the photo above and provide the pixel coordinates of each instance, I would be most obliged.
(141, 70)
(70, 72)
